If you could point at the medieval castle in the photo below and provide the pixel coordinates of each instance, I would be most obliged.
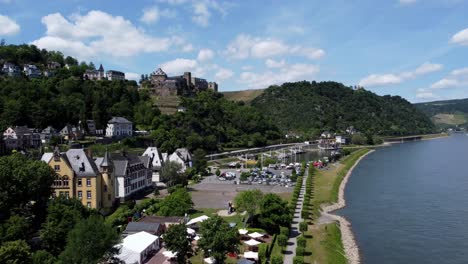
(184, 85)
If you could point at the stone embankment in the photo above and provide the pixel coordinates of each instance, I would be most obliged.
(351, 249)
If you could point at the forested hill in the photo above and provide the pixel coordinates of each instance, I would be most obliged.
(313, 107)
(449, 112)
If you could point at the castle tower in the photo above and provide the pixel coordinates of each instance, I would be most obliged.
(108, 181)
(188, 79)
(101, 72)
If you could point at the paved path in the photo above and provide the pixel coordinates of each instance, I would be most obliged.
(292, 241)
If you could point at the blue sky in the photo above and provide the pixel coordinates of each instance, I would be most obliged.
(417, 49)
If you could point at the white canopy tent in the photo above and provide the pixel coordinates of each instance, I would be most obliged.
(196, 238)
(170, 254)
(197, 220)
(255, 235)
(136, 247)
(209, 260)
(252, 242)
(251, 255)
(190, 231)
(243, 231)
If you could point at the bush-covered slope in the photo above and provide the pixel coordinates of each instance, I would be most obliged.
(312, 107)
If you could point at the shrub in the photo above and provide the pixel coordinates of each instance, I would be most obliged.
(304, 213)
(300, 251)
(303, 226)
(301, 241)
(276, 260)
(262, 251)
(298, 260)
(284, 230)
(282, 240)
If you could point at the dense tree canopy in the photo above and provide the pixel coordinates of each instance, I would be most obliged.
(218, 238)
(249, 201)
(177, 203)
(312, 107)
(176, 239)
(274, 213)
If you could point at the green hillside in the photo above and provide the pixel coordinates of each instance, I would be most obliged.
(311, 107)
(446, 113)
(245, 96)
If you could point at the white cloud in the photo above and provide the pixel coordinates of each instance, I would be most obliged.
(8, 26)
(247, 67)
(426, 95)
(150, 15)
(201, 14)
(5, 1)
(132, 76)
(99, 33)
(374, 80)
(179, 66)
(187, 48)
(205, 55)
(457, 78)
(173, 2)
(223, 74)
(291, 73)
(275, 64)
(461, 37)
(244, 46)
(407, 2)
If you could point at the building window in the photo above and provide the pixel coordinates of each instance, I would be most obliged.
(67, 194)
(56, 167)
(105, 188)
(88, 194)
(79, 183)
(88, 204)
(109, 197)
(80, 194)
(65, 181)
(88, 182)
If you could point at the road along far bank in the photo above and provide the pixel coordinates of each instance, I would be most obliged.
(333, 240)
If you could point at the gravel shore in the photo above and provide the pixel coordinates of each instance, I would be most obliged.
(349, 243)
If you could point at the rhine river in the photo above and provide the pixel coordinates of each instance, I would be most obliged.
(408, 203)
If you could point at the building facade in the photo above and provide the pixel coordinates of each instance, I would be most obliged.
(94, 74)
(157, 162)
(115, 75)
(213, 86)
(119, 127)
(81, 177)
(133, 174)
(11, 70)
(21, 137)
(31, 71)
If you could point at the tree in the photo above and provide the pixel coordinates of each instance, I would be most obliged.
(274, 212)
(358, 139)
(276, 259)
(171, 173)
(25, 184)
(177, 203)
(249, 201)
(15, 252)
(301, 241)
(303, 226)
(218, 238)
(43, 257)
(199, 161)
(244, 176)
(62, 215)
(218, 172)
(15, 228)
(282, 240)
(176, 239)
(89, 241)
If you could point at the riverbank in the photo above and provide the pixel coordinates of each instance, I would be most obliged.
(350, 247)
(329, 241)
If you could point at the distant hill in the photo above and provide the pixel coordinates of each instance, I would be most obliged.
(311, 107)
(446, 113)
(245, 96)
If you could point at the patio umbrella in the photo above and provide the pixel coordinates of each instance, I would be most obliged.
(255, 235)
(243, 231)
(209, 260)
(252, 242)
(251, 255)
(197, 220)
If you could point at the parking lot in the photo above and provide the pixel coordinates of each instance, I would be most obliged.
(214, 193)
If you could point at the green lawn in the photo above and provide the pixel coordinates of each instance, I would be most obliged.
(326, 245)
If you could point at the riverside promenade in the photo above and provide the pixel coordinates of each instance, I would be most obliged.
(294, 233)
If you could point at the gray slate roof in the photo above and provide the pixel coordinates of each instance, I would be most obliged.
(135, 227)
(119, 120)
(81, 163)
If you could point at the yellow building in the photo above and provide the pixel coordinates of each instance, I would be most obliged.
(80, 176)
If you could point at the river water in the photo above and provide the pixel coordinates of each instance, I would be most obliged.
(408, 203)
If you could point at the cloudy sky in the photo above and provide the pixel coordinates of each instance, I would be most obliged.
(414, 48)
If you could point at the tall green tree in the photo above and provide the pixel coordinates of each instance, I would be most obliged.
(89, 241)
(274, 213)
(15, 228)
(218, 238)
(249, 200)
(15, 252)
(171, 174)
(177, 203)
(176, 239)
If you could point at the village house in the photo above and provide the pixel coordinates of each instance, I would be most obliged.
(119, 127)
(94, 74)
(157, 162)
(53, 65)
(21, 137)
(133, 174)
(133, 227)
(47, 134)
(70, 132)
(167, 221)
(31, 71)
(115, 75)
(79, 176)
(183, 157)
(343, 140)
(11, 70)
